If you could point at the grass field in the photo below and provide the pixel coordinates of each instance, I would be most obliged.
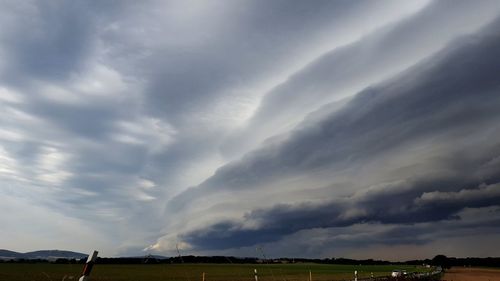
(192, 272)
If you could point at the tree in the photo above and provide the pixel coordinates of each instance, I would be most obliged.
(441, 260)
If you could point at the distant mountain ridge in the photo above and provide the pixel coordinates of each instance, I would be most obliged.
(42, 254)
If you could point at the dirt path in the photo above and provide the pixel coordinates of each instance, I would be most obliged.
(471, 274)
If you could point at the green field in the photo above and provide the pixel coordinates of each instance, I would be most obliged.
(192, 272)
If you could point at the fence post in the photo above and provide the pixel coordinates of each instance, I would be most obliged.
(355, 275)
(310, 276)
(203, 276)
(88, 266)
(255, 274)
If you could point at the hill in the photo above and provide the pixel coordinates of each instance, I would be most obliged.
(6, 254)
(42, 254)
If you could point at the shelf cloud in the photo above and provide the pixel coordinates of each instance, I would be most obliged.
(309, 129)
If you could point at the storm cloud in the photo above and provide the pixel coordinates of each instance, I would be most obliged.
(412, 107)
(366, 126)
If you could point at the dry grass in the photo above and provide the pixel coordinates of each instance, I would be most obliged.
(471, 274)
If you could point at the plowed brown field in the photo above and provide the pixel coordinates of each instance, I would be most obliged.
(471, 274)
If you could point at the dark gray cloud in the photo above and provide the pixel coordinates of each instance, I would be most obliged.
(452, 93)
(392, 241)
(386, 206)
(439, 96)
(344, 70)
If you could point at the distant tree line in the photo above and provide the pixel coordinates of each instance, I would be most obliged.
(439, 260)
(447, 262)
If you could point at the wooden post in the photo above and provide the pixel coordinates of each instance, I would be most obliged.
(310, 276)
(88, 266)
(203, 277)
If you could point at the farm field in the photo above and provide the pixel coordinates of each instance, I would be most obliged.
(192, 272)
(476, 274)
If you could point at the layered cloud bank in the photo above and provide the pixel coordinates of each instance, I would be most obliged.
(419, 148)
(361, 129)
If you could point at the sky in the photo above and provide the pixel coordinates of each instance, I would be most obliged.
(359, 129)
